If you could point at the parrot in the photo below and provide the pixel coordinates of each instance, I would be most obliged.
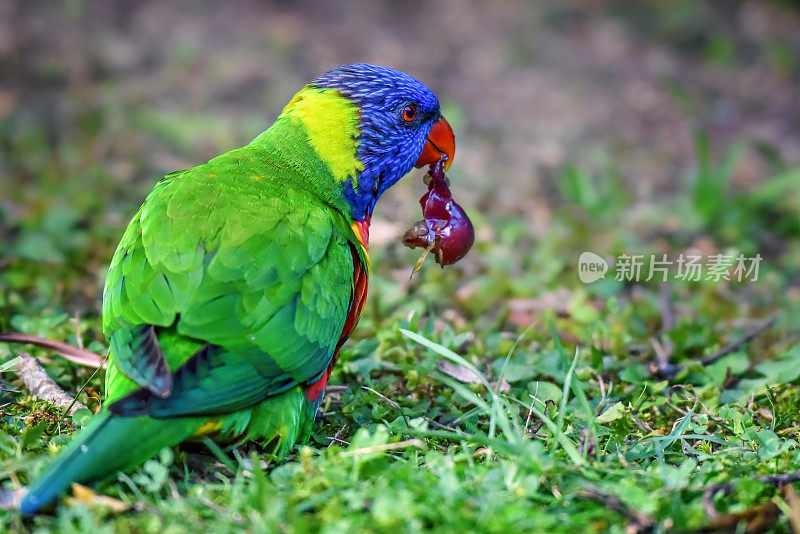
(237, 282)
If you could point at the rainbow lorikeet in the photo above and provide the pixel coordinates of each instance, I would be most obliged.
(237, 282)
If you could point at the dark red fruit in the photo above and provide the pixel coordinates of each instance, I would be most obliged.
(446, 230)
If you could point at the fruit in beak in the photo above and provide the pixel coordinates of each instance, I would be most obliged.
(446, 230)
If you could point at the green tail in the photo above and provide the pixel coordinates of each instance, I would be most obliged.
(109, 444)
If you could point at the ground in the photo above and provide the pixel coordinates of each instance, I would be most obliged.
(613, 127)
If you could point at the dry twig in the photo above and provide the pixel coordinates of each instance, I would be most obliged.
(670, 370)
(41, 385)
(534, 432)
(749, 336)
(637, 521)
(414, 442)
(70, 352)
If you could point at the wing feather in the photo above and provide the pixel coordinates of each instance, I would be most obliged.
(224, 257)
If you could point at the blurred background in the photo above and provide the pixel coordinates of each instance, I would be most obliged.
(614, 127)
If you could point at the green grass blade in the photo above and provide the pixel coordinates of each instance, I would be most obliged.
(562, 407)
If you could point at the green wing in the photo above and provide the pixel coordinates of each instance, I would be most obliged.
(231, 268)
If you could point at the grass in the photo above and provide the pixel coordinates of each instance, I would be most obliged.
(617, 448)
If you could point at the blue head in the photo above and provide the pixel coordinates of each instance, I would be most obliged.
(399, 126)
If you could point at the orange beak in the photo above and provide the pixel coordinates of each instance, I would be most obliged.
(441, 142)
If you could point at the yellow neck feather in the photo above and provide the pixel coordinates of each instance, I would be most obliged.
(332, 124)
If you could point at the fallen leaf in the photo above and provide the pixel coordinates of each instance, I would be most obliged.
(505, 387)
(765, 413)
(613, 413)
(91, 499)
(460, 373)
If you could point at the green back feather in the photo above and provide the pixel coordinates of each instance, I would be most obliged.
(241, 253)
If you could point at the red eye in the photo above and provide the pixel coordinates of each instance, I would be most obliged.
(409, 112)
